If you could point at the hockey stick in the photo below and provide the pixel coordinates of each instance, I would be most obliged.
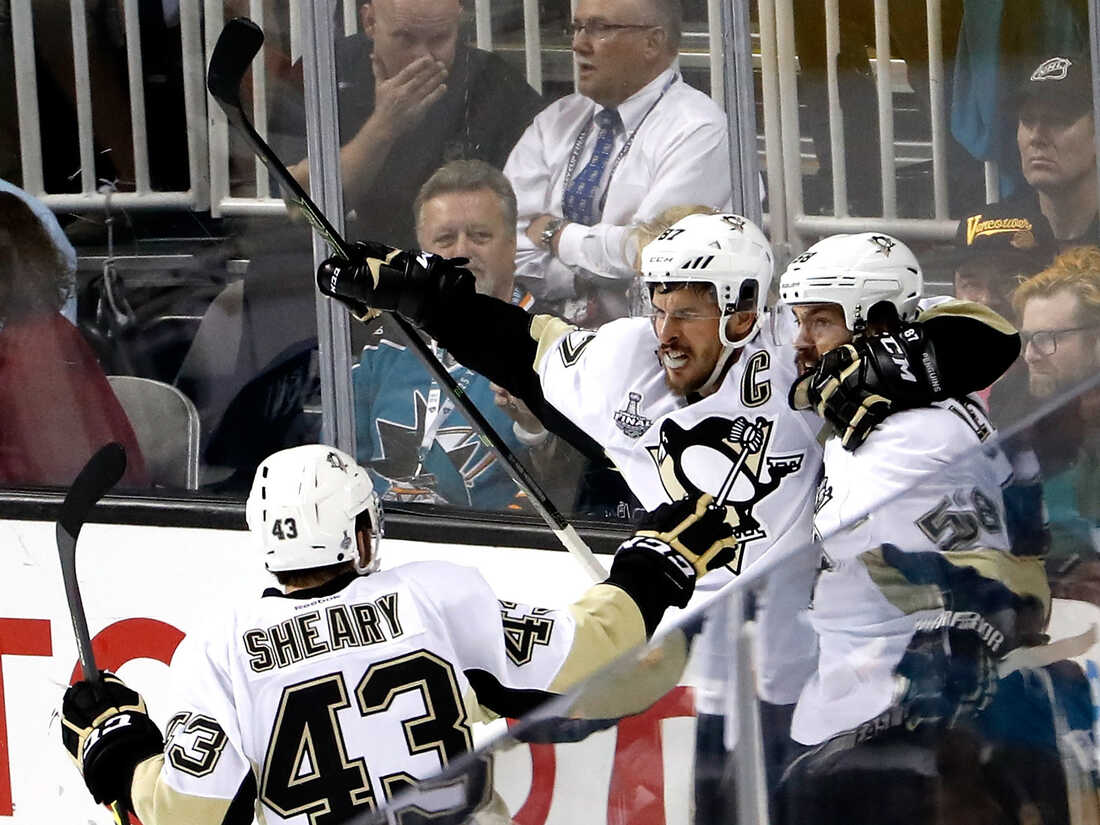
(99, 475)
(237, 45)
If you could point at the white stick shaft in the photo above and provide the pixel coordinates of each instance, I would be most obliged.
(579, 550)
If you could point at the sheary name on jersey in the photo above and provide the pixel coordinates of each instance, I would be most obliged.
(306, 635)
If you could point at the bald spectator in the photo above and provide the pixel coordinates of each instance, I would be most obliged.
(633, 140)
(412, 97)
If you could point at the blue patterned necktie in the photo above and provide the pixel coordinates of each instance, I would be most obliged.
(579, 200)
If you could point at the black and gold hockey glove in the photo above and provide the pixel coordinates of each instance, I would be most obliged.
(679, 543)
(416, 285)
(107, 731)
(856, 386)
(949, 670)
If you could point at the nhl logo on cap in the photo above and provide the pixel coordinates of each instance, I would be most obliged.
(1055, 68)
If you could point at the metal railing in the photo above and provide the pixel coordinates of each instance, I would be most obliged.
(783, 139)
(783, 147)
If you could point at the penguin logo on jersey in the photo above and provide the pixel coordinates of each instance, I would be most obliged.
(729, 460)
(630, 421)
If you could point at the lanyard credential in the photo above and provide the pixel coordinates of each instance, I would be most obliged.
(578, 144)
(437, 411)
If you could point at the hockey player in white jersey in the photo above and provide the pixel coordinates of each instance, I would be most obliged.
(323, 700)
(919, 595)
(691, 400)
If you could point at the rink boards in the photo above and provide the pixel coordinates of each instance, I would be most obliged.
(145, 587)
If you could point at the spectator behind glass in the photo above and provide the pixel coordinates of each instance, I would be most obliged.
(995, 248)
(634, 140)
(1055, 136)
(1059, 311)
(417, 446)
(65, 251)
(56, 407)
(412, 97)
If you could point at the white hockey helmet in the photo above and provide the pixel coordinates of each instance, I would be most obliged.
(857, 272)
(303, 507)
(724, 250)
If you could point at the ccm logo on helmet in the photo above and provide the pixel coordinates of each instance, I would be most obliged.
(897, 355)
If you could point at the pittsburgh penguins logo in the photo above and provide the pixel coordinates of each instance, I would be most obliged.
(728, 459)
(884, 243)
(336, 462)
(736, 222)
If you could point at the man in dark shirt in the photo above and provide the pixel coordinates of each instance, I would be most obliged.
(1054, 135)
(411, 98)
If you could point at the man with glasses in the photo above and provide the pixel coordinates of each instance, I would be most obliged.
(1059, 311)
(634, 139)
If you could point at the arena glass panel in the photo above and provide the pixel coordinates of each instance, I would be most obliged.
(190, 332)
(946, 686)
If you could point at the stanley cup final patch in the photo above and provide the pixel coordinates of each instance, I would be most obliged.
(629, 420)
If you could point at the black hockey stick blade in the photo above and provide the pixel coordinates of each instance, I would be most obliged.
(100, 474)
(238, 44)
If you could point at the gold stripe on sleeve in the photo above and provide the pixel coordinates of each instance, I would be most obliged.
(547, 330)
(156, 803)
(608, 624)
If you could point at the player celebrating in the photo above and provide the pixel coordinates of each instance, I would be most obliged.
(329, 697)
(708, 413)
(918, 584)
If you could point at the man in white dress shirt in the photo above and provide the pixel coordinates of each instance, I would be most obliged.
(634, 140)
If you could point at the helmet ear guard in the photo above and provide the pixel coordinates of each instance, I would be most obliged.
(304, 509)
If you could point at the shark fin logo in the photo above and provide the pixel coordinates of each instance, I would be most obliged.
(728, 459)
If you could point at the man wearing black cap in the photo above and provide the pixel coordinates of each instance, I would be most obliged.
(997, 246)
(1057, 150)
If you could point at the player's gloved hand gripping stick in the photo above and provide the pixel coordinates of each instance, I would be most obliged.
(238, 44)
(104, 724)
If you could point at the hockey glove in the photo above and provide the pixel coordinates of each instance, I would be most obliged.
(107, 732)
(682, 541)
(416, 285)
(949, 669)
(856, 386)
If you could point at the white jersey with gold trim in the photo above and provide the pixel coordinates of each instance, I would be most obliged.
(610, 383)
(922, 482)
(339, 697)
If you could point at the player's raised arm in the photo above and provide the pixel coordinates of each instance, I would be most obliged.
(437, 295)
(256, 682)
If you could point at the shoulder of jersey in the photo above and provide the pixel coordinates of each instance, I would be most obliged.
(619, 349)
(935, 433)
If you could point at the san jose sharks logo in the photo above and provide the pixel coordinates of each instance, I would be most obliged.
(336, 462)
(728, 459)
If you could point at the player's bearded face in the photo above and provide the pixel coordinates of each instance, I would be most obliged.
(686, 324)
(821, 328)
